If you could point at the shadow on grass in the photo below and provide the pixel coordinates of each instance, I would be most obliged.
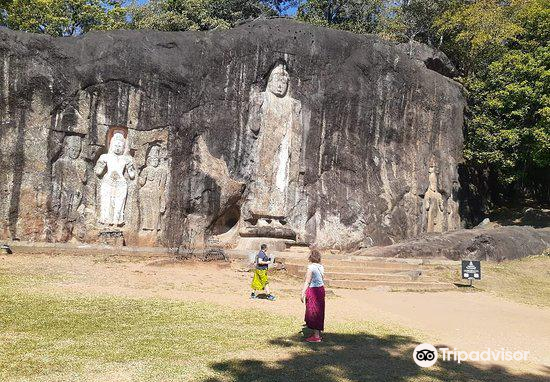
(356, 357)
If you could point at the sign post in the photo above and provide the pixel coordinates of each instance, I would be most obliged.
(471, 270)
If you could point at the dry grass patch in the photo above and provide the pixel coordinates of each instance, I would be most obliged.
(525, 280)
(55, 337)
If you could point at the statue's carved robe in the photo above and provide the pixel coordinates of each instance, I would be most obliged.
(152, 196)
(434, 207)
(69, 177)
(453, 218)
(276, 122)
(114, 188)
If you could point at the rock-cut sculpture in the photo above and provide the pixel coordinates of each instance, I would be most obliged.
(113, 168)
(434, 204)
(275, 120)
(152, 181)
(69, 178)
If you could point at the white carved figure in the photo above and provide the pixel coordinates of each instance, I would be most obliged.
(152, 198)
(112, 168)
(275, 119)
(434, 204)
(69, 178)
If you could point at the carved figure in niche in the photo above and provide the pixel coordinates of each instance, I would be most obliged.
(434, 204)
(152, 198)
(112, 168)
(276, 122)
(453, 216)
(69, 178)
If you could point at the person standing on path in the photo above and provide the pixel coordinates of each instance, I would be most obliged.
(260, 281)
(313, 295)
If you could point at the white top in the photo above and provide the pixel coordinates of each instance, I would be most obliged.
(317, 272)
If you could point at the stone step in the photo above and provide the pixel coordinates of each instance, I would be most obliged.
(369, 259)
(305, 255)
(329, 276)
(297, 249)
(353, 273)
(416, 261)
(352, 264)
(345, 268)
(391, 285)
(305, 251)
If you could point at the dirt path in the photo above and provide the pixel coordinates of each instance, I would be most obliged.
(466, 321)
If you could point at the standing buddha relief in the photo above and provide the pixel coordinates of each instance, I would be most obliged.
(433, 204)
(69, 179)
(113, 168)
(152, 194)
(275, 120)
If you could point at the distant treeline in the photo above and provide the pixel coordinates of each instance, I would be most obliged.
(500, 48)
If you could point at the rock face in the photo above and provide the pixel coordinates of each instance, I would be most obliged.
(275, 130)
(496, 244)
(432, 58)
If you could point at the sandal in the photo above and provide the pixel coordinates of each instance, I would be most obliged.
(313, 339)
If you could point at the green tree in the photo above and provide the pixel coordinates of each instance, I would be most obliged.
(414, 20)
(174, 15)
(510, 124)
(63, 17)
(359, 16)
(476, 33)
(504, 53)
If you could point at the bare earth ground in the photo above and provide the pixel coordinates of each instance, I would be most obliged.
(466, 321)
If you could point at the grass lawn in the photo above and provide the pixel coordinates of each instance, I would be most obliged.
(525, 280)
(54, 337)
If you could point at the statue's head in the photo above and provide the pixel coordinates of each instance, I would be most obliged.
(278, 81)
(153, 158)
(72, 146)
(118, 143)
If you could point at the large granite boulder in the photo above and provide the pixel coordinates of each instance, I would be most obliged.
(275, 130)
(492, 244)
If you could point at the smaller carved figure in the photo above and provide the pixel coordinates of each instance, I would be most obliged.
(152, 198)
(112, 168)
(453, 217)
(69, 178)
(434, 204)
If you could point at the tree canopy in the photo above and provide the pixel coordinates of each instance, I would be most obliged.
(359, 16)
(174, 15)
(63, 17)
(506, 70)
